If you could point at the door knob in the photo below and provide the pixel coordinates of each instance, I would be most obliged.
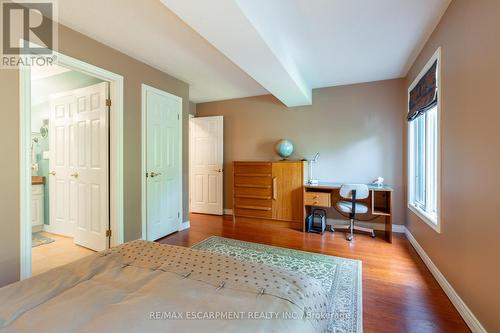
(74, 175)
(220, 170)
(154, 174)
(53, 173)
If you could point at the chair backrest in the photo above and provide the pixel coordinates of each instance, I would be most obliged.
(362, 191)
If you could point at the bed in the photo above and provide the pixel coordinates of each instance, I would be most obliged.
(144, 286)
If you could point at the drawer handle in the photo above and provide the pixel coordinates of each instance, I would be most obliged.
(253, 208)
(245, 196)
(252, 186)
(252, 174)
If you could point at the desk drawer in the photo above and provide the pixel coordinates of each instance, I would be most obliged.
(320, 199)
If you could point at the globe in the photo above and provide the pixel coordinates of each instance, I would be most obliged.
(284, 148)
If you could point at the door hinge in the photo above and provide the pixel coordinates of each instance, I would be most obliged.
(178, 117)
(108, 233)
(108, 102)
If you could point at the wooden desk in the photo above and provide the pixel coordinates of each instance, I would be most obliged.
(327, 195)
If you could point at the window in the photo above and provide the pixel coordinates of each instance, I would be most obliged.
(423, 146)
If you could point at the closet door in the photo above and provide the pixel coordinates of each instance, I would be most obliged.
(163, 162)
(287, 194)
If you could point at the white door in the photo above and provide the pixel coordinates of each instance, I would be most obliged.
(91, 171)
(206, 159)
(78, 145)
(61, 198)
(163, 162)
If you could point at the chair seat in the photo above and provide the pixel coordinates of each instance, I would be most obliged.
(346, 207)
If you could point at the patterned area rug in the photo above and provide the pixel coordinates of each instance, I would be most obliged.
(38, 239)
(339, 276)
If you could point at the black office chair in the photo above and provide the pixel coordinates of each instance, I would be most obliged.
(353, 192)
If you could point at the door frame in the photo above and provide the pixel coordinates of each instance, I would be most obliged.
(144, 89)
(115, 153)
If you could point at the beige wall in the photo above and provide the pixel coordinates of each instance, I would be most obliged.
(357, 129)
(9, 177)
(135, 73)
(467, 250)
(192, 108)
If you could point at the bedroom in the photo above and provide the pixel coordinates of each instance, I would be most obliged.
(338, 83)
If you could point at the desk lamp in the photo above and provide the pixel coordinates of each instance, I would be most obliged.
(313, 181)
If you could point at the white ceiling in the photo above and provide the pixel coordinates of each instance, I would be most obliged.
(42, 72)
(146, 30)
(243, 44)
(236, 48)
(48, 80)
(338, 42)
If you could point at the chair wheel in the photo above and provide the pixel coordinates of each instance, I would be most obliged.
(349, 238)
(332, 229)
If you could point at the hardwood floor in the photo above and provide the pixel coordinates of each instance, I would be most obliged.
(399, 292)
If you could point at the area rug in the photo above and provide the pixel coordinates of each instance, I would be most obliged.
(38, 239)
(340, 277)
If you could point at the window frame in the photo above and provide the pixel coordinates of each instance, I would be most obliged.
(432, 220)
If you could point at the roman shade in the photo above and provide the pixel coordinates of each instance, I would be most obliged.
(423, 96)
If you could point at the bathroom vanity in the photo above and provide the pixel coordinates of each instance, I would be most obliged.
(37, 202)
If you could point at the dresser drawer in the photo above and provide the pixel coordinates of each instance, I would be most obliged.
(253, 211)
(320, 199)
(252, 182)
(252, 202)
(263, 169)
(244, 191)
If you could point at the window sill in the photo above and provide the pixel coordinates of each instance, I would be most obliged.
(430, 220)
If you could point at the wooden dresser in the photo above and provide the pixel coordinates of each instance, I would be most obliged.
(269, 191)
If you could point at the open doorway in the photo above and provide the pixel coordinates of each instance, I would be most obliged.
(71, 163)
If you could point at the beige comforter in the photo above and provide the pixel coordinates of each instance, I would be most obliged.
(144, 286)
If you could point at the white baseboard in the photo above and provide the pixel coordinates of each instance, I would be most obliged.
(459, 304)
(37, 228)
(50, 229)
(228, 211)
(399, 228)
(184, 225)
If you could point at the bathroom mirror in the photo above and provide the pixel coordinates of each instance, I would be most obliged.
(44, 130)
